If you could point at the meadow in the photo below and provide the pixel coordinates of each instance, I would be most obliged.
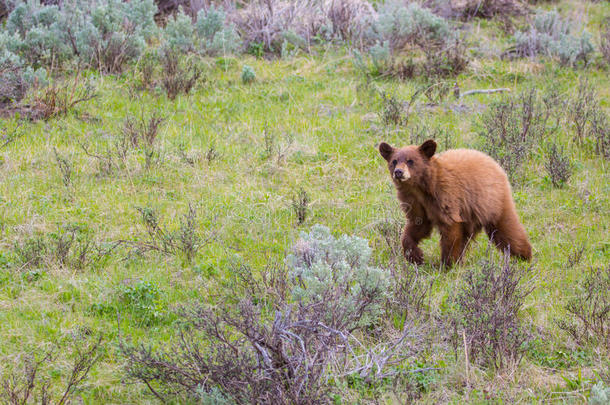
(126, 209)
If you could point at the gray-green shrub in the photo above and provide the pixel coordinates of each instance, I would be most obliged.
(211, 34)
(550, 35)
(105, 34)
(16, 78)
(401, 24)
(337, 272)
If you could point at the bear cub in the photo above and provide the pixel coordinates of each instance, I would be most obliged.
(460, 192)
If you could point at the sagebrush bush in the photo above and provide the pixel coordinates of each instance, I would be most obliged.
(338, 273)
(469, 9)
(247, 74)
(217, 36)
(590, 121)
(558, 165)
(511, 128)
(15, 77)
(105, 34)
(604, 41)
(588, 309)
(401, 25)
(266, 25)
(33, 377)
(550, 35)
(486, 313)
(211, 34)
(179, 33)
(178, 76)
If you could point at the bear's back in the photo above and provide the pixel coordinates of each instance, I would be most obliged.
(476, 180)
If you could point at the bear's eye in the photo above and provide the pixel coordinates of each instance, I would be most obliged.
(409, 162)
(394, 162)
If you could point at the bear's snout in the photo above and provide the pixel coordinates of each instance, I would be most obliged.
(401, 173)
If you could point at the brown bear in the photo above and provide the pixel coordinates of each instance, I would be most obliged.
(459, 192)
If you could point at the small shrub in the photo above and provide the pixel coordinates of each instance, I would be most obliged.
(61, 98)
(401, 24)
(264, 26)
(216, 35)
(469, 9)
(105, 35)
(16, 78)
(558, 166)
(69, 246)
(237, 351)
(604, 40)
(395, 111)
(185, 241)
(589, 309)
(300, 203)
(141, 300)
(142, 135)
(583, 107)
(486, 313)
(247, 75)
(146, 69)
(31, 380)
(65, 167)
(550, 35)
(179, 32)
(600, 129)
(600, 394)
(31, 252)
(449, 61)
(335, 272)
(512, 127)
(176, 77)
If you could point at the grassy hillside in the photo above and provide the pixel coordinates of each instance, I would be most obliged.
(77, 260)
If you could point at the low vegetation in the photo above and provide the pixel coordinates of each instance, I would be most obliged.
(194, 209)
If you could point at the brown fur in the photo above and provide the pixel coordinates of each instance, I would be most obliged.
(460, 192)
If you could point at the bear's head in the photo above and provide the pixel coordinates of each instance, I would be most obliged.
(410, 164)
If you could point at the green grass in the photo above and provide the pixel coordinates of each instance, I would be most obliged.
(324, 124)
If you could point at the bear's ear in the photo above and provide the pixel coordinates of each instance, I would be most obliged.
(428, 148)
(386, 150)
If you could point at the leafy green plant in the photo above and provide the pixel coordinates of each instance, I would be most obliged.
(247, 75)
(141, 300)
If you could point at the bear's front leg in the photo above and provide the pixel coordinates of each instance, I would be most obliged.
(452, 243)
(415, 230)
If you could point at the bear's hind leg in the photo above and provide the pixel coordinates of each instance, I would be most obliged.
(453, 243)
(510, 235)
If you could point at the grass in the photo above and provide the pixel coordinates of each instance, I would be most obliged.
(324, 124)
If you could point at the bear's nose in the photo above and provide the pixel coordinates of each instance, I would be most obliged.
(398, 173)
